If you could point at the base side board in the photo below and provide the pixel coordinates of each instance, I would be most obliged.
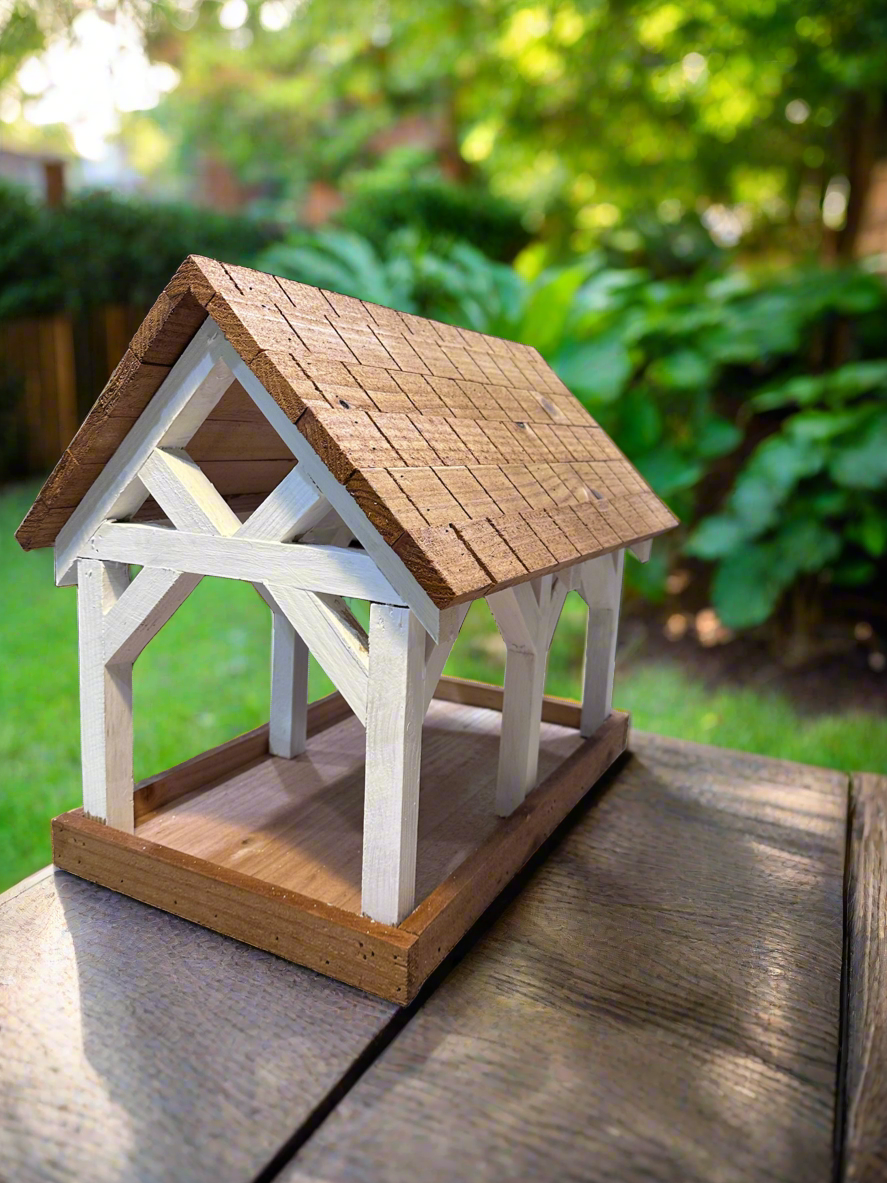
(380, 959)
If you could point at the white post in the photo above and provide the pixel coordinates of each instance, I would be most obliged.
(526, 616)
(105, 700)
(601, 588)
(395, 708)
(289, 689)
(521, 722)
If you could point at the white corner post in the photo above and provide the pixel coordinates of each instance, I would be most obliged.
(601, 587)
(526, 616)
(105, 699)
(287, 735)
(394, 713)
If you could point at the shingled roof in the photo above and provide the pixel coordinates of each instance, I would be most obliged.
(466, 452)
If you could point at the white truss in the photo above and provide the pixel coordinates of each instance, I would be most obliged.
(294, 549)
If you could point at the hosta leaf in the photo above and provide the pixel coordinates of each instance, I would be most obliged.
(748, 585)
(685, 369)
(716, 437)
(594, 370)
(717, 536)
(862, 464)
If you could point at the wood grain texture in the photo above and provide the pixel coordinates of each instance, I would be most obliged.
(269, 850)
(865, 1082)
(106, 729)
(139, 1048)
(394, 714)
(390, 405)
(660, 1001)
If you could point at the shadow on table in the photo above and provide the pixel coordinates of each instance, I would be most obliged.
(660, 999)
(213, 1052)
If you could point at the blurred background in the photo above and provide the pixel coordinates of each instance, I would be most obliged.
(681, 204)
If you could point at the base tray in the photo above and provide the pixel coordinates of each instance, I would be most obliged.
(269, 850)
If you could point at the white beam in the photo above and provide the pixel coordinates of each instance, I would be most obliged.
(105, 701)
(337, 570)
(186, 494)
(601, 588)
(141, 612)
(391, 566)
(642, 550)
(292, 509)
(393, 755)
(334, 636)
(289, 689)
(187, 395)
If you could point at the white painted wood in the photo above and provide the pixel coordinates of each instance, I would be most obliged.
(187, 395)
(526, 616)
(186, 495)
(451, 620)
(291, 510)
(333, 569)
(289, 689)
(329, 531)
(401, 579)
(601, 588)
(642, 550)
(105, 700)
(337, 640)
(553, 613)
(393, 754)
(521, 720)
(142, 610)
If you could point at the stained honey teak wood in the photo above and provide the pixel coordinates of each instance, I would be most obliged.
(324, 449)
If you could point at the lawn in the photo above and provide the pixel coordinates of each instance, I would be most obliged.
(205, 679)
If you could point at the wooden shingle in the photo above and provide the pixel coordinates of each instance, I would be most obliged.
(467, 453)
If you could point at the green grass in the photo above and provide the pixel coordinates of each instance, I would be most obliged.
(205, 679)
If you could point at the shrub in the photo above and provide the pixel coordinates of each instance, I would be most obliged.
(438, 210)
(757, 407)
(100, 248)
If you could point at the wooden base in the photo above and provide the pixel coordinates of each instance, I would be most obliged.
(268, 850)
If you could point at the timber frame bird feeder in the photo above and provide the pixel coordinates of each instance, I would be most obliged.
(323, 448)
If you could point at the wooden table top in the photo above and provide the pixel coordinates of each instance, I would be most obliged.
(682, 986)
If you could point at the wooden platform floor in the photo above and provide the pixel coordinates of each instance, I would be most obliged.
(298, 823)
(687, 986)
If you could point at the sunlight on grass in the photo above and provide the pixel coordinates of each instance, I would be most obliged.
(205, 679)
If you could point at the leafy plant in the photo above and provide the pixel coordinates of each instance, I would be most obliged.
(708, 384)
(99, 248)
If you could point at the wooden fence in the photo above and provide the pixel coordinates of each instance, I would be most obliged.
(58, 366)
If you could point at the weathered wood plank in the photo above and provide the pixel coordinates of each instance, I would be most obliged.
(660, 1001)
(864, 1098)
(139, 1048)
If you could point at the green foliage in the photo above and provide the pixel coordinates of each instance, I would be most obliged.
(439, 210)
(706, 383)
(103, 249)
(588, 115)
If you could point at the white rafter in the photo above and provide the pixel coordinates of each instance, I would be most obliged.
(187, 395)
(390, 564)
